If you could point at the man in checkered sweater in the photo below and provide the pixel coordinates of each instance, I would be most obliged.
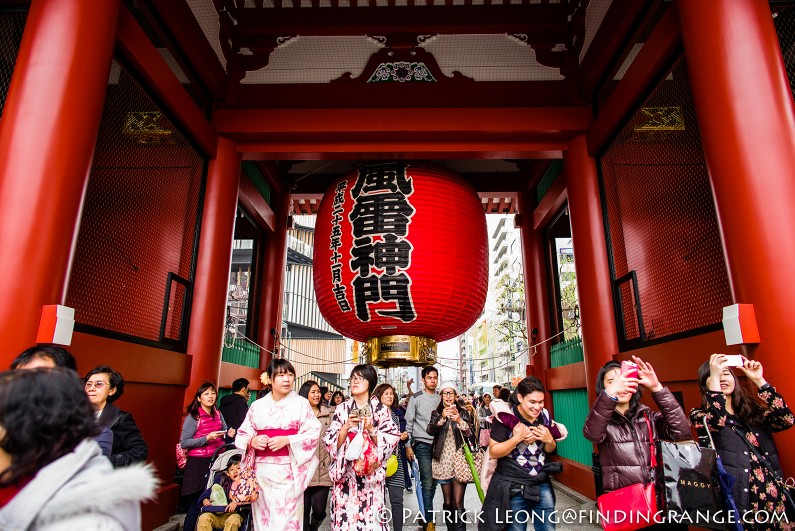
(520, 492)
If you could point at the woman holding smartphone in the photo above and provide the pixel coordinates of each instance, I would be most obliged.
(358, 501)
(741, 428)
(449, 424)
(202, 433)
(619, 424)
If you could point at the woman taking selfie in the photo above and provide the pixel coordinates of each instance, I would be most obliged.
(741, 428)
(316, 494)
(618, 423)
(385, 393)
(449, 424)
(282, 431)
(357, 499)
(53, 475)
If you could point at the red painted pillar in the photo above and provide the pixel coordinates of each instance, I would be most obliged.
(597, 320)
(273, 275)
(535, 286)
(47, 136)
(747, 120)
(214, 261)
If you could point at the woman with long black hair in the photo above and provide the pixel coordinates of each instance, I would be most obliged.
(741, 428)
(385, 393)
(316, 494)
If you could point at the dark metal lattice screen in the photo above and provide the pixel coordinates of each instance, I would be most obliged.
(784, 19)
(12, 23)
(668, 264)
(133, 264)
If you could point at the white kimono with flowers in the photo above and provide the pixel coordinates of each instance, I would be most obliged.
(282, 478)
(357, 503)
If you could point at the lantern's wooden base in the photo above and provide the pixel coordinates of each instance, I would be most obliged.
(400, 351)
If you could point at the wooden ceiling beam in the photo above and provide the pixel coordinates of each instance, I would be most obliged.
(621, 18)
(544, 121)
(401, 151)
(178, 18)
(542, 23)
(446, 93)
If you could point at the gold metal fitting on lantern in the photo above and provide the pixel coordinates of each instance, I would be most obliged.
(400, 351)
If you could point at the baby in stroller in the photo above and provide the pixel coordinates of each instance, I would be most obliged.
(218, 511)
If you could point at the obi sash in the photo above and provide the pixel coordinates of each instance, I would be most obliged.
(282, 452)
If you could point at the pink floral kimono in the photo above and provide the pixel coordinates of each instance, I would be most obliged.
(282, 475)
(357, 503)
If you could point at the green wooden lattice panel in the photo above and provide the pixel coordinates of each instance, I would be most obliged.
(566, 352)
(252, 172)
(549, 177)
(571, 407)
(241, 353)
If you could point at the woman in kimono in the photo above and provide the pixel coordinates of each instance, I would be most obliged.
(357, 502)
(283, 432)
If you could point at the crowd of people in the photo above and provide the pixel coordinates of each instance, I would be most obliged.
(71, 459)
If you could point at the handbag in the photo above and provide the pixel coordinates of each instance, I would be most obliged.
(632, 507)
(463, 472)
(688, 476)
(182, 456)
(726, 482)
(245, 489)
(391, 465)
(368, 461)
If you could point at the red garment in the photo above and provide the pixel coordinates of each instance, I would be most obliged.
(7, 493)
(207, 425)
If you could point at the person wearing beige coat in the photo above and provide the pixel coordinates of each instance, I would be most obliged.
(316, 494)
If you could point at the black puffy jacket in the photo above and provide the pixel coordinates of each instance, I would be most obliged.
(623, 441)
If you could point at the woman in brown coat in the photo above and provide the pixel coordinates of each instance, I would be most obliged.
(617, 424)
(316, 495)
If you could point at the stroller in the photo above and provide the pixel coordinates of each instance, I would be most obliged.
(220, 461)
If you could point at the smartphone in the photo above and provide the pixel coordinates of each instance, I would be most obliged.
(734, 360)
(629, 369)
(362, 412)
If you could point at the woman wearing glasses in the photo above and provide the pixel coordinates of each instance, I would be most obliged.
(357, 501)
(449, 424)
(103, 387)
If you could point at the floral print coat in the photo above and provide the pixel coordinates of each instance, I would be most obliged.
(357, 502)
(756, 487)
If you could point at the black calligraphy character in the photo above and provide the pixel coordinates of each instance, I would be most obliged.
(365, 291)
(396, 288)
(381, 214)
(392, 254)
(362, 253)
(390, 178)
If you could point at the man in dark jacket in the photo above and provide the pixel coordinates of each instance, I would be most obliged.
(234, 407)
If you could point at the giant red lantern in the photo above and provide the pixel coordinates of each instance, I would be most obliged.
(401, 259)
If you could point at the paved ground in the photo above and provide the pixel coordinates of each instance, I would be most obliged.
(567, 501)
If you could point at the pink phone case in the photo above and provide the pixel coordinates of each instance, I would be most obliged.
(629, 369)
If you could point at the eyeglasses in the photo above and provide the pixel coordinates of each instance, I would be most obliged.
(356, 379)
(448, 393)
(96, 385)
